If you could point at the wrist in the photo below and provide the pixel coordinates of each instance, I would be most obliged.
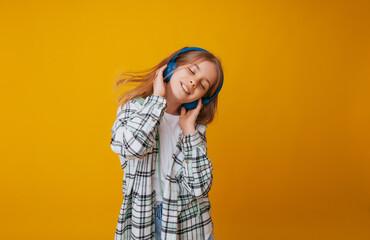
(158, 94)
(189, 131)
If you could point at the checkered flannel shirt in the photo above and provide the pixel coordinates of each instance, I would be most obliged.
(186, 207)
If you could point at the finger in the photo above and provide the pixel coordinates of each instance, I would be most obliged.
(183, 111)
(200, 104)
(161, 70)
(163, 67)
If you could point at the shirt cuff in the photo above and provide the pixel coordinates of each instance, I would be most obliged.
(155, 100)
(192, 140)
(157, 104)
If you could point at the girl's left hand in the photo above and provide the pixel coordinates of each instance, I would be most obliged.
(187, 119)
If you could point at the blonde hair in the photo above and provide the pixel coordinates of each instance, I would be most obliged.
(145, 79)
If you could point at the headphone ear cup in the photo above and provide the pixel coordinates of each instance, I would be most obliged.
(190, 105)
(171, 66)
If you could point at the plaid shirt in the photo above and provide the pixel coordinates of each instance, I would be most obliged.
(186, 207)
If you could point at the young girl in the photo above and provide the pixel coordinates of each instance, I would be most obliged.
(160, 137)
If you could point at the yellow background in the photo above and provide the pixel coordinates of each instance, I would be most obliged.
(290, 143)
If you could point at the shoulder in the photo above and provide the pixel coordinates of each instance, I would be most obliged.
(131, 104)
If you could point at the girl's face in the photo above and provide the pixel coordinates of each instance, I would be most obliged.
(190, 82)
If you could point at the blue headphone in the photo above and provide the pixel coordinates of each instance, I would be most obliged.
(171, 66)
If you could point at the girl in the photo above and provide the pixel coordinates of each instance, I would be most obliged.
(160, 137)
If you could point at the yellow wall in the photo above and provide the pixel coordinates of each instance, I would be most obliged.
(290, 143)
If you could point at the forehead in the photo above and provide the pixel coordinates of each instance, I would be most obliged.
(207, 70)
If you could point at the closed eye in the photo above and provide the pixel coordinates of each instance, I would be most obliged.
(194, 74)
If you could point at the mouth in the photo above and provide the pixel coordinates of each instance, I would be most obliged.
(186, 90)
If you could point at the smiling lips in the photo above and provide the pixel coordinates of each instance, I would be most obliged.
(185, 88)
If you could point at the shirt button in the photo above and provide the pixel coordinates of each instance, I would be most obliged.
(160, 104)
(153, 119)
(187, 161)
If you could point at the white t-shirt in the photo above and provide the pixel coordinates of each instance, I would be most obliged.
(169, 131)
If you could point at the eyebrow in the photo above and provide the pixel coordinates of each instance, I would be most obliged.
(204, 78)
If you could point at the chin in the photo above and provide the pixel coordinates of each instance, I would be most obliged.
(181, 97)
(185, 99)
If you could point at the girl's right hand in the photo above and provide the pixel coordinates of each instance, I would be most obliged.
(159, 86)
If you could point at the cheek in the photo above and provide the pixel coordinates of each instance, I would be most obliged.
(174, 82)
(174, 85)
(197, 94)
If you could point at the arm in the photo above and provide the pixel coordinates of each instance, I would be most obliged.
(132, 131)
(196, 172)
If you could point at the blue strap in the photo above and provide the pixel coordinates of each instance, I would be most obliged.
(140, 100)
(159, 166)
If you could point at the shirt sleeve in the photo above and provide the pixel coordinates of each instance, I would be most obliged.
(133, 130)
(196, 173)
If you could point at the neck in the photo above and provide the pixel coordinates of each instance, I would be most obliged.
(172, 106)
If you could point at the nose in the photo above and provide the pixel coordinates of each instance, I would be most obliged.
(194, 82)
